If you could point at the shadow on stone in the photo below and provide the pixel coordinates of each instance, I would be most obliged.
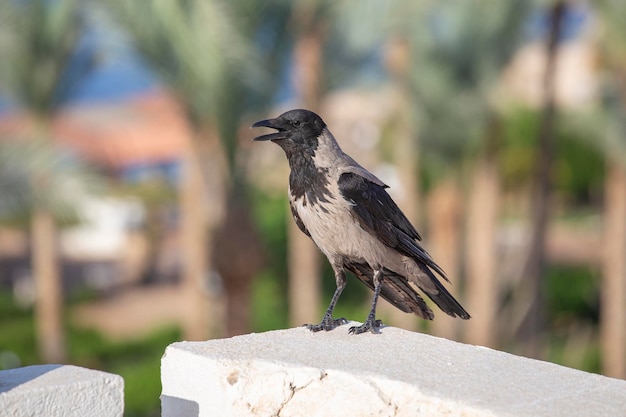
(179, 407)
(13, 378)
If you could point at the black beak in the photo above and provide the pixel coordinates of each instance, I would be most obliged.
(274, 124)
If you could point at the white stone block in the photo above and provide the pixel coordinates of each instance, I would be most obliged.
(60, 391)
(396, 373)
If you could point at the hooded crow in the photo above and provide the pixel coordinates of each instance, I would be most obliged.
(346, 211)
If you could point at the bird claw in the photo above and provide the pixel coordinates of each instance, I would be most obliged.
(327, 323)
(369, 325)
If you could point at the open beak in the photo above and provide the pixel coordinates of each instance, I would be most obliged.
(271, 123)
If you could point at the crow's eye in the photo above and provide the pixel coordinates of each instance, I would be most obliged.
(296, 123)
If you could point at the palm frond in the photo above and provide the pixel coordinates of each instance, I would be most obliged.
(38, 38)
(34, 173)
(459, 51)
(195, 46)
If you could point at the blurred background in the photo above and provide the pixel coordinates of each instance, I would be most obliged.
(135, 210)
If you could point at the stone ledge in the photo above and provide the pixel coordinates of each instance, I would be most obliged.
(60, 390)
(396, 373)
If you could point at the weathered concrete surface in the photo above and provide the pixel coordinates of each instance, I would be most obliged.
(396, 373)
(60, 391)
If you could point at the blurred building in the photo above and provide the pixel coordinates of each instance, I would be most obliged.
(576, 83)
(134, 141)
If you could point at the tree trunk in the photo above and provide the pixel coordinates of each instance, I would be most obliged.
(304, 278)
(305, 284)
(480, 252)
(238, 258)
(406, 161)
(613, 289)
(531, 330)
(49, 288)
(201, 210)
(405, 155)
(444, 210)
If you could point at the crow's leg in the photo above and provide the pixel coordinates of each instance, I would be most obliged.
(371, 324)
(328, 323)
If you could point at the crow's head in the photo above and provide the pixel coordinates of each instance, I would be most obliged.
(296, 129)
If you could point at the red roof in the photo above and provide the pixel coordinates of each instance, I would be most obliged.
(149, 128)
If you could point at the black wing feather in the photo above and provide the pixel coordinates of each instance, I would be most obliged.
(375, 207)
(395, 290)
(377, 213)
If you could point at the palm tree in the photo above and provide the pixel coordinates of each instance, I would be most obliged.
(406, 150)
(532, 326)
(613, 293)
(444, 67)
(481, 228)
(304, 268)
(613, 289)
(319, 65)
(203, 57)
(458, 54)
(240, 255)
(38, 38)
(445, 210)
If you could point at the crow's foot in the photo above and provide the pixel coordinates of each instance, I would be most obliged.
(370, 325)
(328, 323)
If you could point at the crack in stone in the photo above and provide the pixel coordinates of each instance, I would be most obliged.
(386, 399)
(293, 389)
(292, 392)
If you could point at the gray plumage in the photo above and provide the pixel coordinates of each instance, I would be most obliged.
(346, 211)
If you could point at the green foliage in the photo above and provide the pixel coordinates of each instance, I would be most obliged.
(572, 311)
(582, 354)
(572, 300)
(517, 154)
(193, 44)
(269, 292)
(269, 302)
(142, 385)
(354, 303)
(18, 331)
(137, 361)
(458, 52)
(34, 173)
(572, 294)
(38, 38)
(613, 31)
(200, 49)
(152, 193)
(270, 215)
(578, 165)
